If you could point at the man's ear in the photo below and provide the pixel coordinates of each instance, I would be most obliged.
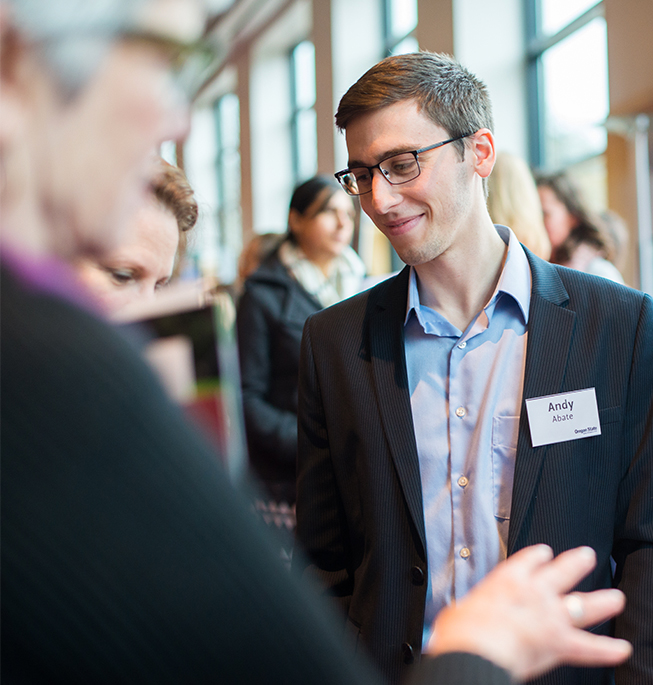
(484, 152)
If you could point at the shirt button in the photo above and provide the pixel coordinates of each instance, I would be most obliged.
(463, 481)
(465, 553)
(408, 653)
(462, 345)
(460, 412)
(417, 575)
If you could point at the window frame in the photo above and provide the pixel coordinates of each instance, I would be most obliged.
(296, 111)
(536, 45)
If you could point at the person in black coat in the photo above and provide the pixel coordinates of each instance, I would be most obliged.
(313, 267)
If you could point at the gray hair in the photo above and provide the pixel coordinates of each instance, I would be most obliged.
(73, 35)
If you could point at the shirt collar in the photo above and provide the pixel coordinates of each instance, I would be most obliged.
(515, 280)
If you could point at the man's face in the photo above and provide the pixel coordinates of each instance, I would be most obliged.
(99, 145)
(426, 216)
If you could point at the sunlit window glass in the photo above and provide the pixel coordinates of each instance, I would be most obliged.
(576, 95)
(168, 151)
(228, 174)
(556, 14)
(229, 113)
(304, 119)
(304, 73)
(307, 144)
(403, 17)
(406, 46)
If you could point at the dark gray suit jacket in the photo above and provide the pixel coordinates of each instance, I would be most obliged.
(359, 508)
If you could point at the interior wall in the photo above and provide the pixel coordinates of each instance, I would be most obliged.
(630, 55)
(630, 60)
(322, 36)
(435, 25)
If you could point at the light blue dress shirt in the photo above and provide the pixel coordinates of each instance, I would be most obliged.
(466, 392)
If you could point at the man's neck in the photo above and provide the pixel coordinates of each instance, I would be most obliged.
(461, 281)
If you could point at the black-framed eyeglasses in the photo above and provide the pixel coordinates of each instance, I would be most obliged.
(396, 169)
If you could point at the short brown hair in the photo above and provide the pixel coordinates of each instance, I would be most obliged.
(443, 89)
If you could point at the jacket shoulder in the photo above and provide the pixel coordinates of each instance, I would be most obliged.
(390, 293)
(580, 291)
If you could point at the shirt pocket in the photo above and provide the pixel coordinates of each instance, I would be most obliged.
(505, 430)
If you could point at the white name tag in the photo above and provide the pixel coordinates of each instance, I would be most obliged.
(567, 416)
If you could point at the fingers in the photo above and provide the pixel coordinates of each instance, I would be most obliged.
(522, 617)
(586, 649)
(530, 558)
(568, 569)
(596, 607)
(588, 609)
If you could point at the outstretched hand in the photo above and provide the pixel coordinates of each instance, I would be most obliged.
(522, 618)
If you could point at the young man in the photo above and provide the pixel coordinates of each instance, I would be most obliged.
(419, 465)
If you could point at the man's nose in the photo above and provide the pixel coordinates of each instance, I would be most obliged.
(384, 196)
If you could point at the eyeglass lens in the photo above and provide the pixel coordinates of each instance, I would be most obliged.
(398, 169)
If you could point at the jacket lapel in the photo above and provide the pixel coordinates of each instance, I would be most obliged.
(386, 347)
(550, 333)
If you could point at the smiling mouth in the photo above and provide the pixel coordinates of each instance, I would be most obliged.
(401, 226)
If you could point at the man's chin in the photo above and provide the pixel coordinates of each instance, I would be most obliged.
(412, 257)
(417, 255)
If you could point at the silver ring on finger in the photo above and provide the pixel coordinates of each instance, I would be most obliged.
(574, 606)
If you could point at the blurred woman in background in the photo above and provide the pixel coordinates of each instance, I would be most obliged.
(257, 250)
(513, 201)
(313, 267)
(579, 239)
(153, 244)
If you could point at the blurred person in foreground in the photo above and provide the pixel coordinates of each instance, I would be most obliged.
(435, 435)
(313, 267)
(126, 555)
(579, 238)
(513, 201)
(153, 245)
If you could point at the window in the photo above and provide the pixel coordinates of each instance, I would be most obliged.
(556, 14)
(303, 120)
(568, 81)
(400, 20)
(227, 121)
